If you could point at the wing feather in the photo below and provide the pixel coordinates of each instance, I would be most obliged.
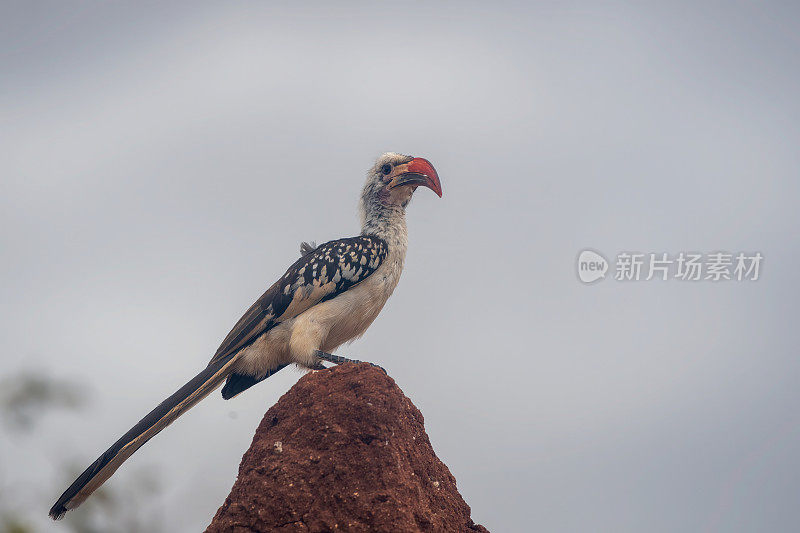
(321, 274)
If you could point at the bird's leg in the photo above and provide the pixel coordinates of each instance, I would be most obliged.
(338, 359)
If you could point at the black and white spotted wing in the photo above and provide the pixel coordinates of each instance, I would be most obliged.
(322, 274)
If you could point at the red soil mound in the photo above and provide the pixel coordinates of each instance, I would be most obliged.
(343, 450)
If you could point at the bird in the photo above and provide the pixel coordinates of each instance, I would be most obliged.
(327, 297)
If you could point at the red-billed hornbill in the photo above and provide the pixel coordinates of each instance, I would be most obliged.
(326, 298)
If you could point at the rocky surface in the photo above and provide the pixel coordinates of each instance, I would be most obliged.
(343, 450)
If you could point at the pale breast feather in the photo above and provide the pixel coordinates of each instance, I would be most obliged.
(323, 273)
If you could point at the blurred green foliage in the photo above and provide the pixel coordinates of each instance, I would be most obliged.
(24, 400)
(27, 396)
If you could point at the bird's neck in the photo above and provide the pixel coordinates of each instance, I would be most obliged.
(388, 223)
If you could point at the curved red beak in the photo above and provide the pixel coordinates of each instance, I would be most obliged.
(418, 171)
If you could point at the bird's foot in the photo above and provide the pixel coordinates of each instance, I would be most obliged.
(379, 367)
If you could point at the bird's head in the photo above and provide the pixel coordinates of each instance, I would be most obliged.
(393, 179)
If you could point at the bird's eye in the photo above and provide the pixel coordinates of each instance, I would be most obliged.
(386, 169)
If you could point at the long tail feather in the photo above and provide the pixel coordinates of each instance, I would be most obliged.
(170, 409)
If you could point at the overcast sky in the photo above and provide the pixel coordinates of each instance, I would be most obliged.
(160, 164)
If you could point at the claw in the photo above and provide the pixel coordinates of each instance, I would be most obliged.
(380, 367)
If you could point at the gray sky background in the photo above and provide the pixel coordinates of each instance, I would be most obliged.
(161, 163)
